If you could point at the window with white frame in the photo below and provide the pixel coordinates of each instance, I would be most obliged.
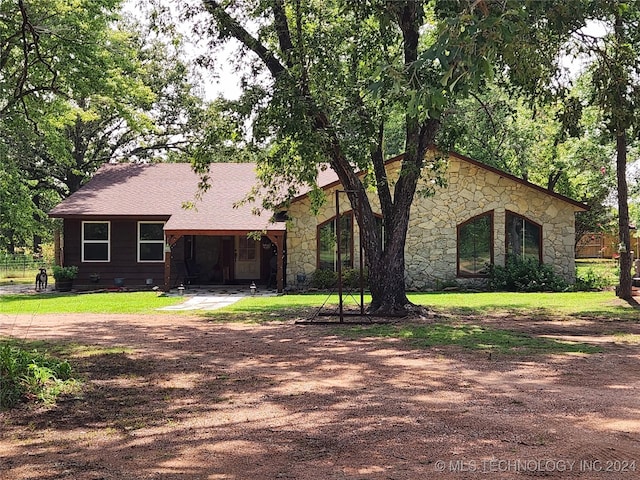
(96, 241)
(247, 250)
(151, 241)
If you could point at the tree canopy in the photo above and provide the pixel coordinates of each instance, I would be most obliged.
(82, 86)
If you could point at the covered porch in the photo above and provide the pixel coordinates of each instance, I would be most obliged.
(225, 257)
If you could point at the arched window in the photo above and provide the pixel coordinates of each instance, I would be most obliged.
(327, 243)
(524, 237)
(475, 246)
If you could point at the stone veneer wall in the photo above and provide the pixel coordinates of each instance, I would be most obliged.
(431, 248)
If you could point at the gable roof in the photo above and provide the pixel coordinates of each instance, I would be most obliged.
(160, 189)
(328, 179)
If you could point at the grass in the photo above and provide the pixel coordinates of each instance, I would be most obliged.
(605, 268)
(108, 302)
(473, 337)
(29, 374)
(257, 309)
(603, 305)
(64, 350)
(570, 304)
(8, 277)
(33, 371)
(472, 307)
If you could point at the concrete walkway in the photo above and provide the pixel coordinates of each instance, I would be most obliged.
(204, 302)
(211, 298)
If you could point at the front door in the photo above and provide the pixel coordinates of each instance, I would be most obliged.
(247, 258)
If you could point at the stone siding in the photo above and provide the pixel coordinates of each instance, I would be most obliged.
(431, 247)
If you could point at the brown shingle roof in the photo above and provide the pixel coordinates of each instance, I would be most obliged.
(161, 189)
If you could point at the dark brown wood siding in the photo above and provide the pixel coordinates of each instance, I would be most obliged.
(123, 262)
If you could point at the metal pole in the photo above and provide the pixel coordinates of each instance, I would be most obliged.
(339, 256)
(361, 258)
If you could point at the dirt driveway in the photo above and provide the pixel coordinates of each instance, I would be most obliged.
(190, 399)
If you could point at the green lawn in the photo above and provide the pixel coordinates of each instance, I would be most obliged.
(108, 302)
(571, 304)
(257, 309)
(605, 268)
(474, 337)
(18, 276)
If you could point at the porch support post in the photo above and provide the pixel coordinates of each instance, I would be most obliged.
(171, 241)
(278, 239)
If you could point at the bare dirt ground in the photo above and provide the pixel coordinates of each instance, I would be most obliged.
(190, 399)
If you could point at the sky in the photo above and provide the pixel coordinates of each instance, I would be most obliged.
(224, 82)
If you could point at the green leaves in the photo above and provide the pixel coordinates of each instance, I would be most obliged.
(30, 375)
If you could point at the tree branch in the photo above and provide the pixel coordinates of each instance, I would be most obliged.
(237, 31)
(382, 182)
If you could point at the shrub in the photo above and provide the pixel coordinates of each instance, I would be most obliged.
(65, 273)
(351, 278)
(323, 279)
(588, 280)
(30, 375)
(327, 279)
(525, 275)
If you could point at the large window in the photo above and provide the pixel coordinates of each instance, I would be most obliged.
(328, 243)
(151, 242)
(524, 238)
(96, 238)
(475, 246)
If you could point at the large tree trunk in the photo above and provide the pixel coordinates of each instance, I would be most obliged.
(624, 288)
(384, 260)
(387, 285)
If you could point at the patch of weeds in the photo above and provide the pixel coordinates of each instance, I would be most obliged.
(27, 374)
(629, 338)
(86, 351)
(472, 337)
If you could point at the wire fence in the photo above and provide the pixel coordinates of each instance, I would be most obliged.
(20, 265)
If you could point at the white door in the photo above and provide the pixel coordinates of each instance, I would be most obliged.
(247, 258)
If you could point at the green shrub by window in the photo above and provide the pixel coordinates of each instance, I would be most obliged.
(323, 279)
(525, 275)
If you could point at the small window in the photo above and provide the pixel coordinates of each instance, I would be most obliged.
(247, 249)
(524, 238)
(96, 241)
(151, 242)
(327, 243)
(475, 246)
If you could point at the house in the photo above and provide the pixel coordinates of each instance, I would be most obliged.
(138, 225)
(129, 223)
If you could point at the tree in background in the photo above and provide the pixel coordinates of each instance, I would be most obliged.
(46, 51)
(541, 145)
(489, 29)
(616, 92)
(73, 99)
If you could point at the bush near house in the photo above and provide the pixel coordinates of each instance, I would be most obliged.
(525, 275)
